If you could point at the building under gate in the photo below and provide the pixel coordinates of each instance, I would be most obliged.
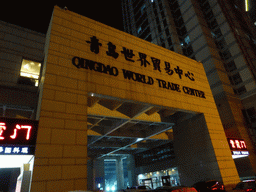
(106, 97)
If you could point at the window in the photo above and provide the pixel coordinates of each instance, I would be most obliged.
(164, 22)
(139, 30)
(225, 55)
(221, 44)
(251, 114)
(240, 90)
(143, 8)
(187, 40)
(169, 39)
(159, 28)
(235, 79)
(231, 66)
(145, 33)
(167, 32)
(29, 73)
(181, 32)
(149, 38)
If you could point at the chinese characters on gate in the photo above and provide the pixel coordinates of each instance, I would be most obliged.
(17, 136)
(130, 75)
(130, 56)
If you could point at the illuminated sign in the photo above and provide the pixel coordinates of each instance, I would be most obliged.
(240, 152)
(17, 131)
(237, 145)
(238, 148)
(16, 150)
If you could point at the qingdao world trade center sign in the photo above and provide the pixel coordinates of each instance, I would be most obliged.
(85, 57)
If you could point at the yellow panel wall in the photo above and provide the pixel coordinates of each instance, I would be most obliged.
(61, 151)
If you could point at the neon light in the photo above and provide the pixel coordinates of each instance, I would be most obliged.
(232, 144)
(243, 144)
(2, 127)
(27, 127)
(246, 5)
(14, 134)
(21, 127)
(237, 144)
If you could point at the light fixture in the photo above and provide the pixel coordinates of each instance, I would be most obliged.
(238, 156)
(139, 139)
(10, 161)
(246, 5)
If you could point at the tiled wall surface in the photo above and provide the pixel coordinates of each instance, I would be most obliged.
(61, 154)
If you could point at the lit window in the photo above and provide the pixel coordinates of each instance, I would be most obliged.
(29, 73)
(187, 40)
(139, 30)
(143, 8)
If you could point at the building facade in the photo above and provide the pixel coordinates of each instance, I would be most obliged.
(21, 57)
(221, 36)
(106, 103)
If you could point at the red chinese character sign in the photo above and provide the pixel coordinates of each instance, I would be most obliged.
(18, 131)
(238, 147)
(237, 144)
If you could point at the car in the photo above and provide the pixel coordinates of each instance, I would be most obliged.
(246, 185)
(211, 185)
(175, 189)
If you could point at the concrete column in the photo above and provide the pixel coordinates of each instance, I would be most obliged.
(98, 173)
(119, 173)
(202, 151)
(90, 175)
(131, 172)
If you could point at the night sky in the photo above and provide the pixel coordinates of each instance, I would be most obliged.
(36, 15)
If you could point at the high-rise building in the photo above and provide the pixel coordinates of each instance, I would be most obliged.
(219, 34)
(250, 7)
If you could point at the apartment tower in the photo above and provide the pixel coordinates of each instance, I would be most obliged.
(222, 37)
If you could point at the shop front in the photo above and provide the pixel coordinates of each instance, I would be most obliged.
(168, 177)
(17, 149)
